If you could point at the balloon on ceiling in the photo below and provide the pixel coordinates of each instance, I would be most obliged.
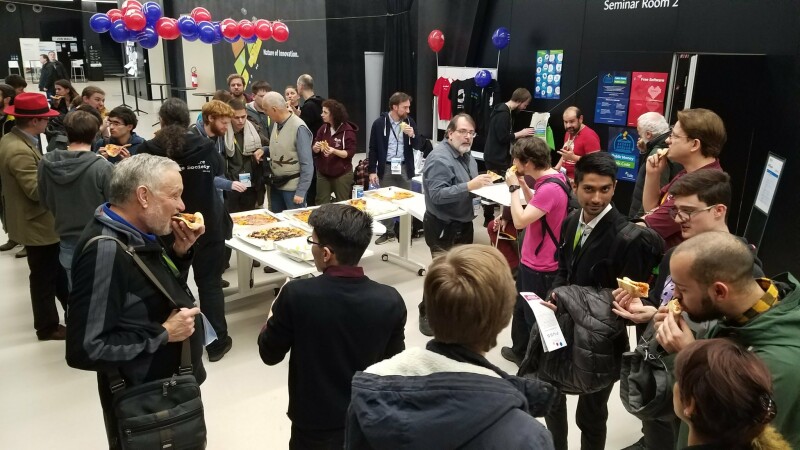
(145, 23)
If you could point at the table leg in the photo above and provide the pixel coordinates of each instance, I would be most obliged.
(136, 98)
(122, 91)
(401, 258)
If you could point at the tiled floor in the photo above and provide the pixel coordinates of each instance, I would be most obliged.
(49, 405)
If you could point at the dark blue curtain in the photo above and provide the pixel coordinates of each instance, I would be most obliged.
(398, 52)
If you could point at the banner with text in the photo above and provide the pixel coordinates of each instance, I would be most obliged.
(647, 94)
(613, 92)
(622, 146)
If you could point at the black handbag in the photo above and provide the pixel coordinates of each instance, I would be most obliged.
(645, 381)
(160, 414)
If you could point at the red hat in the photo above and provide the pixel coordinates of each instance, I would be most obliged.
(30, 104)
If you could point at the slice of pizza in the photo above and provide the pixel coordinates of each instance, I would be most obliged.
(113, 150)
(193, 221)
(634, 288)
(495, 176)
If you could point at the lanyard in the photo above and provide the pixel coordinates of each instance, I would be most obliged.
(172, 267)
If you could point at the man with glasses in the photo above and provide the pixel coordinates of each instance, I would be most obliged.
(449, 176)
(121, 123)
(335, 324)
(695, 143)
(701, 201)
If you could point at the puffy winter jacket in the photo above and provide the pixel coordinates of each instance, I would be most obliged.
(595, 339)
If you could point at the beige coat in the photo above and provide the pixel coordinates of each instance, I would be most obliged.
(27, 221)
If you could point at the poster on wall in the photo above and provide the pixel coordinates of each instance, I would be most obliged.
(648, 90)
(622, 146)
(613, 93)
(548, 74)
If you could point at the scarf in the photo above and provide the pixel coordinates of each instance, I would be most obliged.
(251, 141)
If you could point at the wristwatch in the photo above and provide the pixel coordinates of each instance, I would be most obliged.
(513, 187)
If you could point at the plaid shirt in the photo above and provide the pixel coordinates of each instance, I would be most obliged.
(361, 174)
(767, 301)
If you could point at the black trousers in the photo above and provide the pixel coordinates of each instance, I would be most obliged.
(109, 419)
(528, 280)
(239, 202)
(591, 417)
(48, 281)
(316, 439)
(208, 265)
(441, 236)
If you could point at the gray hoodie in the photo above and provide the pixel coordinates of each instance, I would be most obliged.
(72, 184)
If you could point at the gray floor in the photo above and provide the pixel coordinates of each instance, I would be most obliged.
(49, 405)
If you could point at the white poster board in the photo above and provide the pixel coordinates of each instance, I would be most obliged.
(454, 73)
(29, 49)
(769, 183)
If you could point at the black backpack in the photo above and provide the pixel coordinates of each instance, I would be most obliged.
(572, 205)
(652, 248)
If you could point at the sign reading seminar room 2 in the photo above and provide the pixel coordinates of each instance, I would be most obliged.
(611, 5)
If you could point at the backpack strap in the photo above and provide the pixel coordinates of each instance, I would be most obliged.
(546, 231)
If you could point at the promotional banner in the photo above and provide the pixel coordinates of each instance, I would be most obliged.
(613, 92)
(549, 64)
(622, 146)
(648, 90)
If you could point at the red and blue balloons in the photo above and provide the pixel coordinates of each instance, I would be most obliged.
(134, 19)
(118, 32)
(205, 30)
(200, 14)
(263, 29)
(483, 78)
(436, 40)
(246, 29)
(187, 27)
(114, 15)
(152, 12)
(167, 28)
(229, 28)
(280, 32)
(501, 38)
(147, 38)
(100, 23)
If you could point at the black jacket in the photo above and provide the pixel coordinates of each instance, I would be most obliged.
(594, 265)
(595, 338)
(500, 136)
(200, 163)
(311, 113)
(335, 324)
(116, 312)
(446, 397)
(379, 145)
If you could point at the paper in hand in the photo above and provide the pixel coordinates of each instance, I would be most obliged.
(549, 330)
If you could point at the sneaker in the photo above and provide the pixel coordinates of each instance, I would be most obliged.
(424, 326)
(58, 334)
(22, 253)
(511, 355)
(386, 237)
(8, 246)
(217, 350)
(225, 283)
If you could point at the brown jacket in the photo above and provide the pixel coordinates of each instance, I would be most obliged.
(27, 221)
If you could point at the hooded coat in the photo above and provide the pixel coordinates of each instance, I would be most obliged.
(445, 397)
(343, 138)
(72, 184)
(497, 149)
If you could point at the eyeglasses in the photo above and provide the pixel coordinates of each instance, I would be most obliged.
(468, 133)
(672, 135)
(684, 215)
(312, 242)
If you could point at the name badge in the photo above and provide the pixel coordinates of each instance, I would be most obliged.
(397, 166)
(244, 178)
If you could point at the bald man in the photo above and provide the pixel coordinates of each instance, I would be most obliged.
(579, 140)
(713, 280)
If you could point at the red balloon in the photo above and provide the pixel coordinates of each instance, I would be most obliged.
(229, 28)
(130, 4)
(246, 29)
(436, 40)
(263, 29)
(114, 15)
(201, 14)
(280, 32)
(167, 28)
(134, 20)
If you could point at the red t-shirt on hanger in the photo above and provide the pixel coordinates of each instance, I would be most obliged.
(442, 90)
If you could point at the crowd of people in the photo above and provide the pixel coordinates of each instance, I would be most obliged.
(101, 200)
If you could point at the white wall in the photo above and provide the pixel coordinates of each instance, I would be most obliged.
(199, 55)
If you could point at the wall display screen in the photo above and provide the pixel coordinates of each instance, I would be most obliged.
(622, 146)
(613, 93)
(549, 64)
(647, 94)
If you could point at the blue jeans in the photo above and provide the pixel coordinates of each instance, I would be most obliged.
(282, 200)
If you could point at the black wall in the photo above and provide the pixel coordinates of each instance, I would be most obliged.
(595, 40)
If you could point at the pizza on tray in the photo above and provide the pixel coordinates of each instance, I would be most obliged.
(254, 219)
(393, 195)
(358, 203)
(277, 233)
(302, 215)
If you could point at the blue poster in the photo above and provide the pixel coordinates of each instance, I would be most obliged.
(622, 146)
(613, 93)
(549, 64)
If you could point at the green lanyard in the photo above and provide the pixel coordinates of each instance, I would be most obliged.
(170, 264)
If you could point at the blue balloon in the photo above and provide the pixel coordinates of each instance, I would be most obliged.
(231, 40)
(152, 12)
(187, 26)
(217, 33)
(118, 32)
(251, 40)
(501, 38)
(148, 38)
(100, 23)
(483, 78)
(189, 37)
(206, 32)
